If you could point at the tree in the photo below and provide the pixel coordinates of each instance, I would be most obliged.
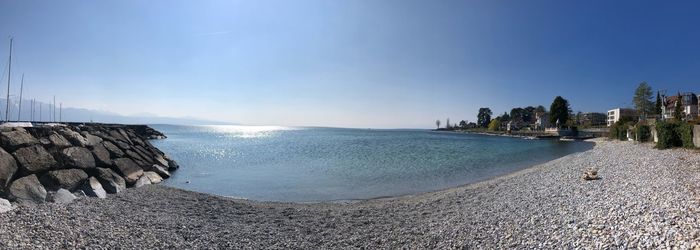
(494, 125)
(517, 114)
(447, 124)
(559, 111)
(529, 114)
(678, 109)
(642, 99)
(484, 117)
(504, 118)
(463, 124)
(540, 109)
(658, 108)
(437, 123)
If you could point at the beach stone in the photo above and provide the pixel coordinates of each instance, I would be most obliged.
(101, 155)
(79, 193)
(34, 159)
(153, 176)
(8, 168)
(116, 135)
(91, 139)
(114, 151)
(5, 206)
(160, 160)
(78, 157)
(125, 136)
(28, 189)
(64, 179)
(136, 157)
(62, 196)
(111, 181)
(59, 141)
(145, 155)
(129, 170)
(13, 140)
(74, 137)
(172, 165)
(590, 174)
(92, 187)
(142, 182)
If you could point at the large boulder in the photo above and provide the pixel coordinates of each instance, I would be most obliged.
(5, 206)
(160, 160)
(59, 141)
(74, 137)
(91, 139)
(101, 155)
(12, 140)
(153, 176)
(78, 157)
(116, 135)
(28, 189)
(92, 187)
(62, 196)
(162, 171)
(172, 164)
(110, 180)
(129, 170)
(34, 159)
(123, 145)
(8, 168)
(144, 180)
(114, 151)
(65, 178)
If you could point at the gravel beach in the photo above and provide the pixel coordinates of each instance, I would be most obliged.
(645, 198)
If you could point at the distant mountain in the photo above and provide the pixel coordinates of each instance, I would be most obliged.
(88, 115)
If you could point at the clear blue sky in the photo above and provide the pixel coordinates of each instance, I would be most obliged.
(348, 63)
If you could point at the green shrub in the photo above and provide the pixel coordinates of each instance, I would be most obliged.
(612, 133)
(668, 135)
(685, 133)
(643, 133)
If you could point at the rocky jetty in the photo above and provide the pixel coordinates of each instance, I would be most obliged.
(59, 163)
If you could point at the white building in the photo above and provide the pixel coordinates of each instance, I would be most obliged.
(618, 113)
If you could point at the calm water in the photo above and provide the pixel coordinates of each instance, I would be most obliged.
(321, 164)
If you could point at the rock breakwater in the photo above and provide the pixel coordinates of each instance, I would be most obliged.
(46, 163)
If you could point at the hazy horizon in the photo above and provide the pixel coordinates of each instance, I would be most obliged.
(352, 64)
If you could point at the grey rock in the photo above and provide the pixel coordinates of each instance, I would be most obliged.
(8, 168)
(153, 177)
(79, 193)
(74, 137)
(129, 170)
(101, 155)
(78, 157)
(5, 206)
(91, 139)
(114, 151)
(160, 160)
(111, 181)
(12, 140)
(28, 189)
(59, 141)
(92, 187)
(142, 182)
(34, 159)
(162, 171)
(64, 179)
(123, 145)
(62, 196)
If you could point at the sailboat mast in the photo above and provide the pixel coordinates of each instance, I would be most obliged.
(19, 109)
(9, 72)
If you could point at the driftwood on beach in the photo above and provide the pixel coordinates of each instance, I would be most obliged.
(55, 163)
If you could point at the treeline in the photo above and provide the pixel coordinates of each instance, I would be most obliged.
(521, 117)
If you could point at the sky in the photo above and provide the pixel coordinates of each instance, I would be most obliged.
(360, 63)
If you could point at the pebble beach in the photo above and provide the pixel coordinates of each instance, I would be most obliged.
(645, 198)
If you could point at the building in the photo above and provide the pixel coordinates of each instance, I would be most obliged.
(690, 106)
(619, 113)
(593, 119)
(541, 120)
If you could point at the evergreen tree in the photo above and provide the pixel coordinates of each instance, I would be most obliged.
(559, 111)
(658, 108)
(484, 117)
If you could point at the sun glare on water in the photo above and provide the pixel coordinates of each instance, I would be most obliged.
(239, 131)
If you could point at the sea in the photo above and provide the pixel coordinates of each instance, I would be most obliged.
(312, 164)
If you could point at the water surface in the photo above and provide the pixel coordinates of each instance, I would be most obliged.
(322, 164)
